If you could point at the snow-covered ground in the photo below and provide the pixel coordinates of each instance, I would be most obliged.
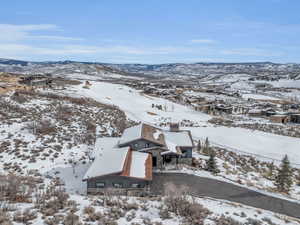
(263, 144)
(149, 212)
(138, 107)
(258, 97)
(285, 83)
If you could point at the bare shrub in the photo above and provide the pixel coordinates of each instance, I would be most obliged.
(88, 137)
(43, 127)
(131, 216)
(72, 219)
(24, 216)
(53, 199)
(16, 188)
(178, 202)
(130, 206)
(52, 220)
(19, 98)
(164, 213)
(88, 210)
(5, 218)
(107, 221)
(63, 112)
(223, 220)
(91, 214)
(116, 213)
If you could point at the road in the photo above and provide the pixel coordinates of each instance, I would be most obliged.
(201, 186)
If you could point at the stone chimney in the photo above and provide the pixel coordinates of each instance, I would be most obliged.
(174, 127)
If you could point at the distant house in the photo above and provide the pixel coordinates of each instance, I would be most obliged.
(36, 80)
(269, 112)
(255, 112)
(295, 118)
(224, 108)
(128, 167)
(280, 118)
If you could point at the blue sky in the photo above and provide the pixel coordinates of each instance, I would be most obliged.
(151, 31)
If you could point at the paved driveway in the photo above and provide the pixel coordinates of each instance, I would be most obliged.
(221, 190)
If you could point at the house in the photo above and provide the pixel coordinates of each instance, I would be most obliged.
(295, 118)
(255, 112)
(280, 118)
(170, 147)
(127, 168)
(224, 108)
(120, 170)
(36, 80)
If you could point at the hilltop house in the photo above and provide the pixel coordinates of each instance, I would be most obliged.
(129, 165)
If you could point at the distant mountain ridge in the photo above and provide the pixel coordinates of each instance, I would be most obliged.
(200, 69)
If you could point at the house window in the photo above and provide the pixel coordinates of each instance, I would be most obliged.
(117, 185)
(184, 154)
(147, 145)
(135, 185)
(168, 159)
(100, 184)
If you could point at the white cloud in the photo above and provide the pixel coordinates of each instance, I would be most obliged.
(33, 41)
(23, 49)
(250, 52)
(203, 41)
(15, 33)
(54, 38)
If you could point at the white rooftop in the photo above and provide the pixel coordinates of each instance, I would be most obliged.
(109, 162)
(138, 164)
(181, 138)
(171, 139)
(132, 133)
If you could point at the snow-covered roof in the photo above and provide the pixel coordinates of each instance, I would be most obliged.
(131, 133)
(138, 165)
(121, 161)
(111, 161)
(254, 111)
(172, 148)
(181, 138)
(171, 140)
(142, 131)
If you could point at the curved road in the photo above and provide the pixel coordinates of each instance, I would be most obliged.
(202, 186)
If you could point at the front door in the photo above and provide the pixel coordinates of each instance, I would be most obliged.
(154, 161)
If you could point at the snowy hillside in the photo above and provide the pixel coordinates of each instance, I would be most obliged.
(138, 107)
(199, 70)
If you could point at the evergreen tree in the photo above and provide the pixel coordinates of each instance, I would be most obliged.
(283, 180)
(207, 142)
(211, 164)
(206, 148)
(298, 178)
(199, 146)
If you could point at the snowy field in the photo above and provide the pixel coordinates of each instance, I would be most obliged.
(256, 142)
(258, 97)
(285, 83)
(138, 107)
